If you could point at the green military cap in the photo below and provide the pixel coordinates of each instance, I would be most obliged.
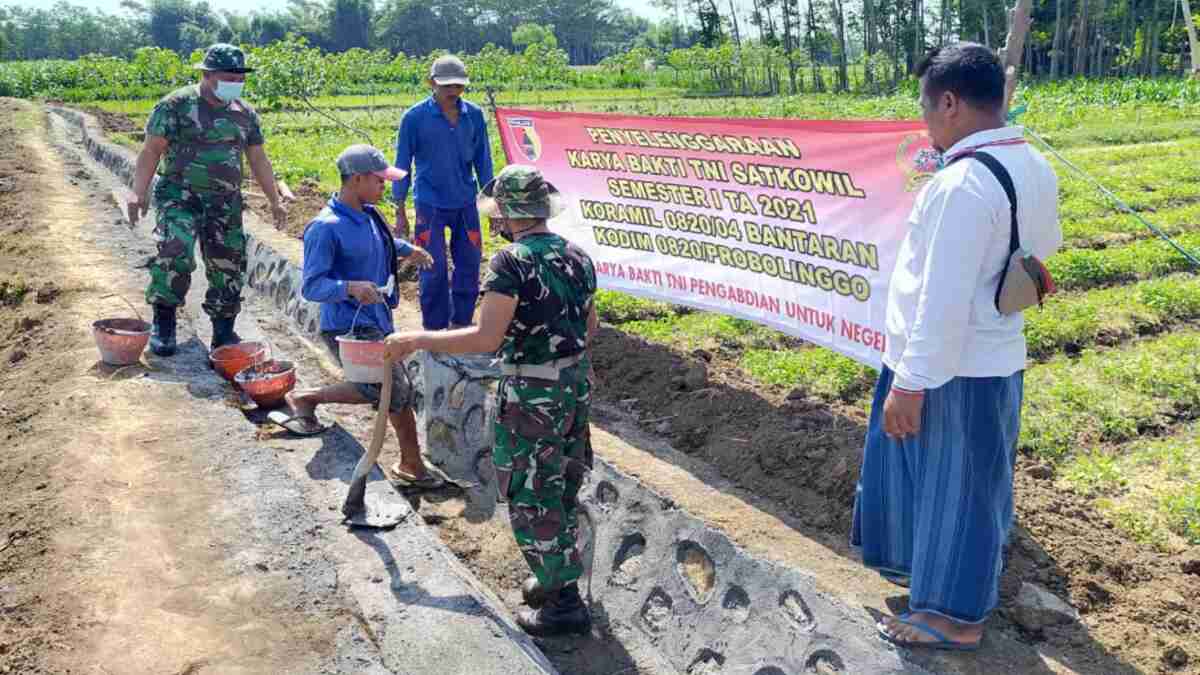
(520, 191)
(224, 58)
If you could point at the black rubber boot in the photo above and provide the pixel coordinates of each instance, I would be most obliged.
(162, 333)
(533, 593)
(563, 613)
(223, 332)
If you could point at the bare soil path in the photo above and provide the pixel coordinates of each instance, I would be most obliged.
(119, 550)
(146, 524)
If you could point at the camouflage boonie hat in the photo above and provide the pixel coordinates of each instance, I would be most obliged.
(520, 191)
(224, 58)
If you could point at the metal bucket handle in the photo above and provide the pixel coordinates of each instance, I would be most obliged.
(127, 303)
(118, 331)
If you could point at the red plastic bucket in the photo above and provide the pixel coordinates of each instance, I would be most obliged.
(121, 341)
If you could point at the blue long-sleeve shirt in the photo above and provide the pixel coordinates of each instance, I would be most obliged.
(444, 155)
(342, 245)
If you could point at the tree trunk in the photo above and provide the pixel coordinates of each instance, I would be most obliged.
(868, 74)
(843, 65)
(1193, 41)
(987, 37)
(818, 83)
(1129, 37)
(918, 17)
(789, 45)
(1154, 41)
(944, 22)
(737, 33)
(1081, 40)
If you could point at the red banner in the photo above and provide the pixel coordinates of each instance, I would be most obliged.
(793, 224)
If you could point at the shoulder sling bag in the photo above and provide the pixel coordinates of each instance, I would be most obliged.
(1026, 281)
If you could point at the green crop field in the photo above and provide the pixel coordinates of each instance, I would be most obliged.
(1114, 383)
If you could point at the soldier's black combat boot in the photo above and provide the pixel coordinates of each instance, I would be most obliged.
(533, 593)
(223, 332)
(162, 333)
(563, 613)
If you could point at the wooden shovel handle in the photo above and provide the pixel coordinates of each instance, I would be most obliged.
(381, 414)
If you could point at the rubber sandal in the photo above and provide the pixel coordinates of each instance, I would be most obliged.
(297, 423)
(430, 481)
(942, 643)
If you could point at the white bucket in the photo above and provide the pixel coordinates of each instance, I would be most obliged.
(362, 360)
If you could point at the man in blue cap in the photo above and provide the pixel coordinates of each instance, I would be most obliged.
(447, 138)
(350, 268)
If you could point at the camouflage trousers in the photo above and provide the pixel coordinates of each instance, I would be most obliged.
(542, 452)
(213, 219)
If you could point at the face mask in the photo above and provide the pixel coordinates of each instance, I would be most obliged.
(228, 91)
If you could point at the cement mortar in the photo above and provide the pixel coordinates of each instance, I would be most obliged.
(706, 604)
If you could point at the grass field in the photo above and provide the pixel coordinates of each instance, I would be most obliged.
(1115, 380)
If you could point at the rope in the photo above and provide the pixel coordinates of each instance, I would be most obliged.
(1116, 200)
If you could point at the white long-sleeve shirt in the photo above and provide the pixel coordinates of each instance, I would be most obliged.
(942, 320)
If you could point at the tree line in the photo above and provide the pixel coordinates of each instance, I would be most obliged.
(866, 42)
(587, 30)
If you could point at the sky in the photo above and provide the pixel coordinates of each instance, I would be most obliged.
(640, 7)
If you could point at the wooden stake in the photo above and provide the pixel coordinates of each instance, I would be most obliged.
(1019, 22)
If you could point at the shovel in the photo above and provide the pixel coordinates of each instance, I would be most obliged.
(374, 513)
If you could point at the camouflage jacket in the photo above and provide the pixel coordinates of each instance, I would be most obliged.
(554, 282)
(204, 142)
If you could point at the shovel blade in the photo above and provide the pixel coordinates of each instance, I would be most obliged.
(378, 514)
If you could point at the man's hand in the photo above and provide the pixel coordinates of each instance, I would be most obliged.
(402, 229)
(421, 258)
(136, 207)
(279, 213)
(398, 346)
(364, 291)
(902, 414)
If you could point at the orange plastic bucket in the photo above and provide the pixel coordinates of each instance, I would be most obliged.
(232, 359)
(267, 382)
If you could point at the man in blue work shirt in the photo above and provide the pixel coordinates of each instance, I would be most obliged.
(447, 138)
(350, 268)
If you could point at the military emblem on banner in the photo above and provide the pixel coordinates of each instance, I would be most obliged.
(917, 160)
(526, 137)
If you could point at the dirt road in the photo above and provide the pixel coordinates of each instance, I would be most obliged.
(118, 543)
(146, 525)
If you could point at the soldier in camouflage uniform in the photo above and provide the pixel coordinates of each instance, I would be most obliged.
(199, 133)
(538, 312)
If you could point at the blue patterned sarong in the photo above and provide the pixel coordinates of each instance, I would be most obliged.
(937, 507)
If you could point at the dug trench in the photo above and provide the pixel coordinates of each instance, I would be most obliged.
(775, 472)
(775, 469)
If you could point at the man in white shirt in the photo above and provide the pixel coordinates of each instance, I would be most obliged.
(934, 503)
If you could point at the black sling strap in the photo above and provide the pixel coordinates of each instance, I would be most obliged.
(1005, 179)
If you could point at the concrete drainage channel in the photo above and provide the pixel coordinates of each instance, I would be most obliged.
(705, 605)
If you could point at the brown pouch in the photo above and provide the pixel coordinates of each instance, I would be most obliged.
(1026, 281)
